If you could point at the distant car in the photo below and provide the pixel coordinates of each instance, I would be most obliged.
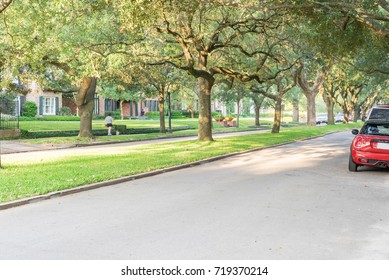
(379, 112)
(339, 118)
(370, 146)
(322, 118)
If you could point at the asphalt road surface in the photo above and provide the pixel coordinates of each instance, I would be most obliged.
(296, 201)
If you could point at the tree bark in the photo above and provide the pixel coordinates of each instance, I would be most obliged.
(357, 112)
(258, 100)
(121, 109)
(205, 117)
(161, 100)
(85, 105)
(296, 110)
(330, 108)
(277, 115)
(238, 114)
(311, 109)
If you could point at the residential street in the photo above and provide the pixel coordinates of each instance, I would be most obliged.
(296, 201)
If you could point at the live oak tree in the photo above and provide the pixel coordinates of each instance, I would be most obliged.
(258, 97)
(310, 88)
(161, 80)
(199, 34)
(71, 36)
(233, 92)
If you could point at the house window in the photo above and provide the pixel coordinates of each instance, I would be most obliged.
(49, 106)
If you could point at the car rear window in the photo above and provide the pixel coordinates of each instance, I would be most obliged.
(376, 129)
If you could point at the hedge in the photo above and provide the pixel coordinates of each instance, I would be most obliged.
(50, 118)
(96, 132)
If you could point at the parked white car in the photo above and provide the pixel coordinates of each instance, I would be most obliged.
(322, 119)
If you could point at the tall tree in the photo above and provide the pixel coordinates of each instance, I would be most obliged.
(199, 34)
(72, 36)
(310, 90)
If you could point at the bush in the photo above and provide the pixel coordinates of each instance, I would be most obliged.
(122, 128)
(115, 114)
(50, 118)
(65, 111)
(177, 114)
(152, 114)
(188, 114)
(30, 109)
(217, 115)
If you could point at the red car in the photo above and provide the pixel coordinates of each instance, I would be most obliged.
(370, 146)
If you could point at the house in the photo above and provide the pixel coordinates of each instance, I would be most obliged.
(48, 103)
(129, 109)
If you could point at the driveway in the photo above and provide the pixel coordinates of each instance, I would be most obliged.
(297, 201)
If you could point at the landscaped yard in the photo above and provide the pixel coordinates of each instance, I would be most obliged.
(20, 180)
(245, 124)
(98, 124)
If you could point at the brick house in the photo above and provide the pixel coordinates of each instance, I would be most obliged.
(48, 103)
(131, 109)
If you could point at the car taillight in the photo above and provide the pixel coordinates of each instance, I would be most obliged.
(361, 142)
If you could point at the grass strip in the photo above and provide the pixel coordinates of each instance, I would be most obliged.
(26, 180)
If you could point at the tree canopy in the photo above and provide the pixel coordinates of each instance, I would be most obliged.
(123, 42)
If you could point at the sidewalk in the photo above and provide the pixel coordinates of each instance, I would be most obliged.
(15, 146)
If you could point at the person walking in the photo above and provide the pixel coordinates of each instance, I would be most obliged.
(109, 123)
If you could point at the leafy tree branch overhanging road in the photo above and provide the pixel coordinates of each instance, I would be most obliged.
(372, 14)
(4, 4)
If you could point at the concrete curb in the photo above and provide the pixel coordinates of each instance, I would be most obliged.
(93, 186)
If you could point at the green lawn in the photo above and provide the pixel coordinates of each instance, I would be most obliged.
(25, 180)
(246, 123)
(98, 124)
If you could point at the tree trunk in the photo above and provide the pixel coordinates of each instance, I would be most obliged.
(310, 92)
(357, 112)
(257, 113)
(205, 118)
(161, 100)
(277, 116)
(121, 109)
(330, 108)
(258, 100)
(238, 114)
(311, 109)
(296, 110)
(85, 105)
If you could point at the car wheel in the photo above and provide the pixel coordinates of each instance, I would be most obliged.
(352, 166)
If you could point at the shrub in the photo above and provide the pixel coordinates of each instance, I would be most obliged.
(177, 114)
(188, 114)
(122, 128)
(65, 111)
(50, 118)
(152, 114)
(30, 109)
(115, 114)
